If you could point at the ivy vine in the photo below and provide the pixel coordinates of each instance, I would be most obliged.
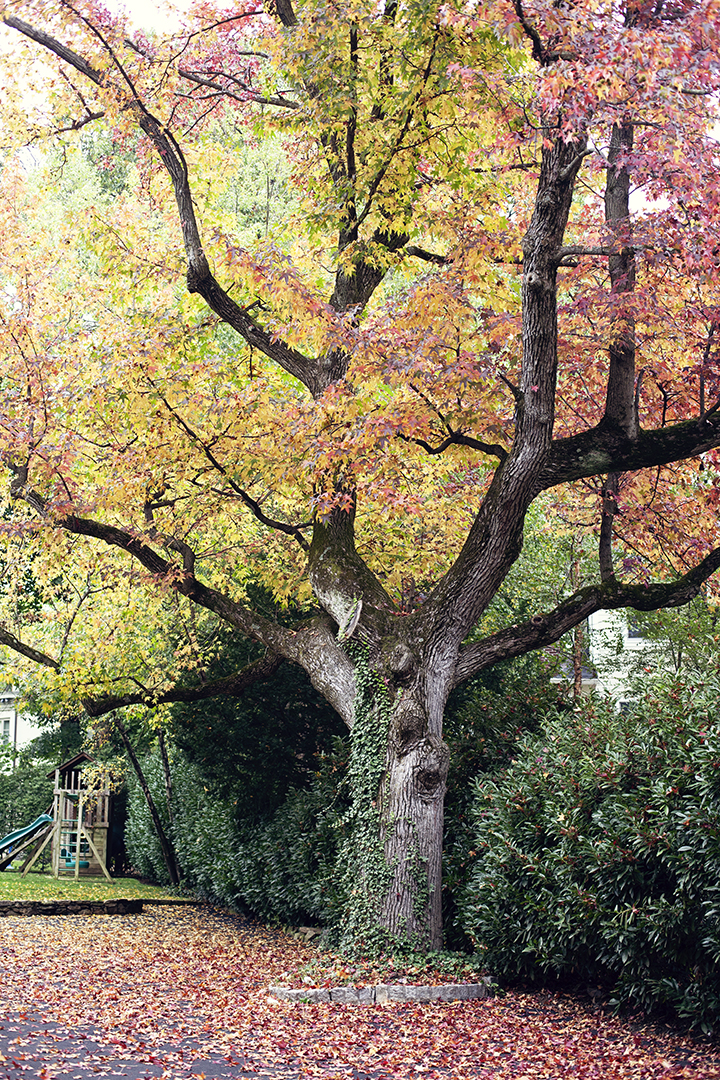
(365, 873)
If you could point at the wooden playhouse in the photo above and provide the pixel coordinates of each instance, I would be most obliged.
(80, 823)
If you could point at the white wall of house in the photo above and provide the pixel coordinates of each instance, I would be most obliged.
(15, 728)
(611, 640)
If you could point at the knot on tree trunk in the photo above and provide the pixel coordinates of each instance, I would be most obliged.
(409, 726)
(198, 272)
(401, 663)
(431, 768)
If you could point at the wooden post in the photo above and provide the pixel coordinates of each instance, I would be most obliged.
(96, 853)
(81, 810)
(55, 831)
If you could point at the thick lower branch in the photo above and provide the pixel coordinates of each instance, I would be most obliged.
(601, 450)
(546, 628)
(340, 577)
(231, 686)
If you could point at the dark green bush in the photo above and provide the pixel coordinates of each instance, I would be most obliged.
(597, 853)
(485, 720)
(25, 793)
(141, 842)
(281, 869)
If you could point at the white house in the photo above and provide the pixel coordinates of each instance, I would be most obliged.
(15, 728)
(614, 637)
(610, 640)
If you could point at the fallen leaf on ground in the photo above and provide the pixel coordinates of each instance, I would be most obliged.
(179, 993)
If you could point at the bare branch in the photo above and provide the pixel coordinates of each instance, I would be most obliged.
(247, 96)
(547, 627)
(231, 686)
(575, 251)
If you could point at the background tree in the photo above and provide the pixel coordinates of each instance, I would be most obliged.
(462, 314)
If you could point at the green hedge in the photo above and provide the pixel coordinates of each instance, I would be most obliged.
(281, 869)
(593, 854)
(25, 793)
(597, 854)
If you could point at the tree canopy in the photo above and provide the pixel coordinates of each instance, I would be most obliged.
(492, 281)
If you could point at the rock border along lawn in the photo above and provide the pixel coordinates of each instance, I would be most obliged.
(382, 993)
(116, 906)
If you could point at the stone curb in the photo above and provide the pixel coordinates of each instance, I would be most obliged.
(383, 993)
(71, 907)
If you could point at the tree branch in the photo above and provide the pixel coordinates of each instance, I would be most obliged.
(18, 646)
(230, 686)
(620, 412)
(598, 451)
(427, 256)
(456, 438)
(250, 95)
(546, 628)
(315, 373)
(252, 504)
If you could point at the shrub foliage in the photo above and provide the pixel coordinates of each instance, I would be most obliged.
(281, 869)
(597, 853)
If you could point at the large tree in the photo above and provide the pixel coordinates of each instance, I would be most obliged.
(465, 313)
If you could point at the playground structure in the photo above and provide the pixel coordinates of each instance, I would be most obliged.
(20, 839)
(78, 829)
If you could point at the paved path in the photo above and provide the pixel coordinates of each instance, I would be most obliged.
(32, 1048)
(183, 995)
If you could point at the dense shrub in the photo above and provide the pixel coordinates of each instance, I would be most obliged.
(25, 793)
(281, 869)
(485, 720)
(597, 853)
(141, 842)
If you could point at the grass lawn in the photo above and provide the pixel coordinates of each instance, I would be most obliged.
(38, 886)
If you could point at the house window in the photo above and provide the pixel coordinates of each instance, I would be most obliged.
(5, 730)
(633, 630)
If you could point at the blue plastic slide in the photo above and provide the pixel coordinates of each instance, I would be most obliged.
(22, 834)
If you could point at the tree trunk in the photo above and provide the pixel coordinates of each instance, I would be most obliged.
(393, 855)
(412, 798)
(578, 650)
(168, 852)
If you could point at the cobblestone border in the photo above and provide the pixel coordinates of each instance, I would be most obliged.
(382, 993)
(71, 907)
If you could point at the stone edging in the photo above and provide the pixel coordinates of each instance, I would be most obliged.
(71, 907)
(382, 993)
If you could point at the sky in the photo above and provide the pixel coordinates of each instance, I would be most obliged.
(151, 15)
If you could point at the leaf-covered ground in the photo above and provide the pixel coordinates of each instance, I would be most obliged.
(180, 993)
